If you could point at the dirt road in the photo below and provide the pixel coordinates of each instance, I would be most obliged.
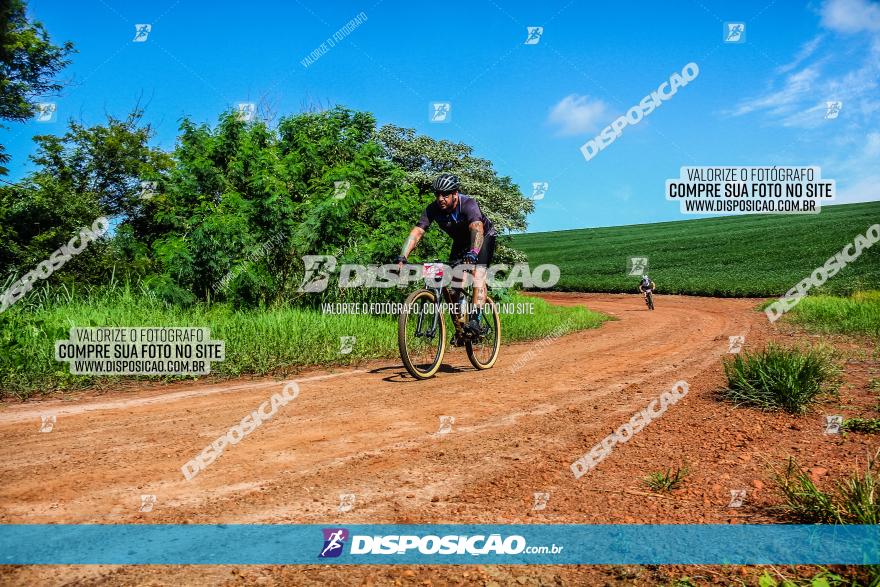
(373, 432)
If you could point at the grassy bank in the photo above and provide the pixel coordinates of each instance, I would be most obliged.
(752, 255)
(856, 314)
(277, 340)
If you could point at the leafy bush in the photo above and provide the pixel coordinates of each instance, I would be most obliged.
(237, 205)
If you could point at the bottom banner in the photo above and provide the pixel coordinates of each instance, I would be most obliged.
(527, 544)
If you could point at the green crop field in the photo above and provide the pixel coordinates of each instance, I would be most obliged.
(731, 256)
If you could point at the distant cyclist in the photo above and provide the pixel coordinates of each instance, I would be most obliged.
(646, 285)
(473, 238)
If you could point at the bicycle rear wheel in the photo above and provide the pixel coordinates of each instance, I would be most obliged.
(421, 334)
(483, 352)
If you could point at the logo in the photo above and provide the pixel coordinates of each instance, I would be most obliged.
(664, 92)
(822, 273)
(737, 497)
(734, 32)
(246, 111)
(147, 503)
(237, 432)
(832, 424)
(446, 423)
(45, 269)
(832, 109)
(47, 422)
(318, 269)
(626, 431)
(475, 545)
(148, 189)
(534, 35)
(340, 189)
(735, 343)
(334, 541)
(637, 266)
(346, 502)
(539, 189)
(541, 500)
(317, 272)
(440, 112)
(346, 344)
(141, 32)
(46, 111)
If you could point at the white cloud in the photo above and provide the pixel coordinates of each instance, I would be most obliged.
(812, 117)
(872, 148)
(855, 170)
(807, 49)
(797, 87)
(851, 16)
(840, 63)
(865, 189)
(797, 98)
(576, 114)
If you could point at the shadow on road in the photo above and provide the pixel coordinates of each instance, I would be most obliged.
(400, 374)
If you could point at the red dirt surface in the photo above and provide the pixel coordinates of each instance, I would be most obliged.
(373, 432)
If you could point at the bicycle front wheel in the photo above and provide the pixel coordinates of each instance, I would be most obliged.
(483, 351)
(421, 334)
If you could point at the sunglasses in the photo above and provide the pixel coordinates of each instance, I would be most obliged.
(444, 195)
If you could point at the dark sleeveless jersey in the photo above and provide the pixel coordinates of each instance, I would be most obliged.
(456, 222)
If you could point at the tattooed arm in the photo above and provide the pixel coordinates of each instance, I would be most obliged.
(476, 235)
(411, 241)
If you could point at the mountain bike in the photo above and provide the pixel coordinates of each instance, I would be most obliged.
(422, 326)
(649, 299)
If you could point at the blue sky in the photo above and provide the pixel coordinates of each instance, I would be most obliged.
(526, 107)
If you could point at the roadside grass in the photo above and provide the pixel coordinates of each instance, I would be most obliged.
(863, 425)
(856, 314)
(855, 500)
(667, 480)
(278, 340)
(547, 320)
(778, 378)
(824, 578)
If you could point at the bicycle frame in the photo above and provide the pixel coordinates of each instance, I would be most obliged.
(437, 294)
(441, 294)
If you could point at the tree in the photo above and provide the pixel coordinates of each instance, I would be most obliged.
(28, 65)
(248, 202)
(423, 158)
(86, 173)
(237, 205)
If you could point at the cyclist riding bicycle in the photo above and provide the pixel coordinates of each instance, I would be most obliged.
(473, 240)
(646, 285)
